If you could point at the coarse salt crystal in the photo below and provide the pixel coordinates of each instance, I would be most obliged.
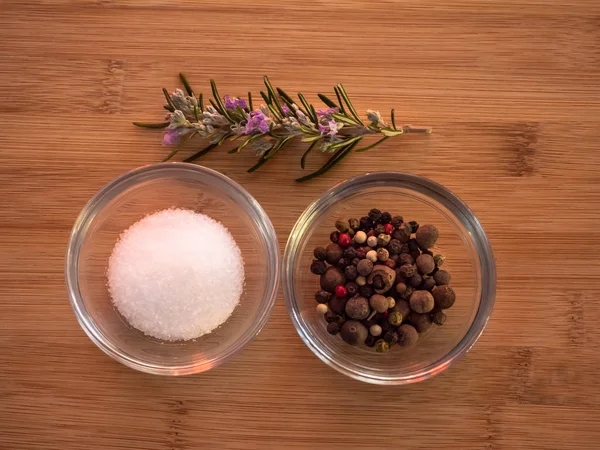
(176, 274)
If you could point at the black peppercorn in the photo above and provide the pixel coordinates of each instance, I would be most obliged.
(331, 278)
(366, 291)
(422, 322)
(415, 281)
(415, 254)
(402, 233)
(426, 236)
(349, 252)
(413, 246)
(395, 246)
(318, 267)
(322, 296)
(333, 328)
(386, 217)
(320, 253)
(354, 332)
(405, 258)
(342, 264)
(391, 338)
(351, 273)
(441, 277)
(407, 293)
(414, 226)
(330, 317)
(375, 215)
(371, 340)
(421, 302)
(355, 261)
(438, 316)
(338, 304)
(354, 224)
(378, 282)
(352, 289)
(408, 270)
(366, 223)
(334, 236)
(360, 253)
(425, 264)
(390, 263)
(397, 221)
(333, 253)
(342, 226)
(428, 283)
(427, 252)
(407, 335)
(404, 249)
(444, 296)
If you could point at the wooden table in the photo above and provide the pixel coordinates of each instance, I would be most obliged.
(512, 90)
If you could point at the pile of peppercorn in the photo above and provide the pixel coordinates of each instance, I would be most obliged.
(380, 283)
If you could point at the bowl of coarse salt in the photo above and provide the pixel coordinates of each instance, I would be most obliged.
(172, 268)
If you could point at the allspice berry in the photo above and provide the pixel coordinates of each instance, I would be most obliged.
(425, 264)
(426, 236)
(403, 308)
(322, 296)
(395, 318)
(442, 277)
(415, 281)
(358, 308)
(407, 270)
(407, 335)
(320, 253)
(422, 302)
(318, 267)
(428, 283)
(342, 226)
(338, 304)
(354, 332)
(400, 288)
(331, 278)
(379, 303)
(438, 317)
(422, 322)
(333, 253)
(364, 267)
(382, 347)
(444, 296)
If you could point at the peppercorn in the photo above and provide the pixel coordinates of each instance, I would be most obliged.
(421, 302)
(375, 330)
(389, 229)
(351, 232)
(341, 225)
(415, 281)
(331, 278)
(391, 302)
(322, 308)
(375, 215)
(397, 221)
(318, 267)
(348, 262)
(350, 273)
(427, 235)
(414, 226)
(366, 291)
(338, 304)
(366, 223)
(403, 308)
(333, 253)
(400, 288)
(360, 280)
(386, 217)
(349, 253)
(395, 318)
(415, 254)
(334, 236)
(378, 283)
(364, 267)
(379, 229)
(322, 296)
(355, 261)
(383, 239)
(442, 277)
(381, 346)
(438, 317)
(428, 283)
(379, 303)
(382, 254)
(352, 288)
(444, 296)
(394, 246)
(372, 256)
(407, 335)
(372, 241)
(354, 332)
(320, 253)
(404, 249)
(340, 291)
(408, 270)
(391, 337)
(354, 224)
(370, 233)
(402, 233)
(405, 258)
(390, 263)
(344, 240)
(333, 328)
(425, 264)
(331, 316)
(413, 246)
(370, 341)
(439, 260)
(360, 254)
(360, 237)
(342, 264)
(358, 308)
(422, 322)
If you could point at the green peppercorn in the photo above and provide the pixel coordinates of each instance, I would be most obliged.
(426, 236)
(381, 346)
(354, 224)
(333, 328)
(318, 267)
(322, 296)
(383, 239)
(425, 264)
(395, 318)
(407, 335)
(444, 296)
(341, 225)
(379, 303)
(422, 302)
(360, 280)
(364, 267)
(442, 277)
(358, 308)
(438, 317)
(439, 260)
(332, 277)
(354, 332)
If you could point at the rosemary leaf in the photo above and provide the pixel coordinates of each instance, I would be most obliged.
(218, 100)
(348, 103)
(223, 138)
(169, 101)
(202, 152)
(327, 101)
(265, 98)
(273, 95)
(369, 147)
(344, 119)
(250, 101)
(307, 107)
(151, 125)
(312, 138)
(339, 97)
(201, 101)
(186, 85)
(275, 112)
(335, 159)
(278, 146)
(345, 142)
(170, 155)
(285, 97)
(260, 162)
(305, 155)
(391, 133)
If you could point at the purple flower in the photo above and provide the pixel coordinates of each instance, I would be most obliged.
(257, 121)
(326, 112)
(286, 110)
(172, 136)
(233, 103)
(330, 129)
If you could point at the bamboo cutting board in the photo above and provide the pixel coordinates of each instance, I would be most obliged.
(512, 90)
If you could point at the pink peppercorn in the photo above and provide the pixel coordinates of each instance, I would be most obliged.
(344, 240)
(340, 291)
(389, 228)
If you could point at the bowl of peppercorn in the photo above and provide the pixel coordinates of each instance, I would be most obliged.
(389, 278)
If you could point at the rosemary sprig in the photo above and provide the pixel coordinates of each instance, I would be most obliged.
(337, 129)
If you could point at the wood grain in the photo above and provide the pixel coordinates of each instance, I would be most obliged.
(512, 90)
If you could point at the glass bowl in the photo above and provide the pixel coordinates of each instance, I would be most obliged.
(126, 200)
(462, 241)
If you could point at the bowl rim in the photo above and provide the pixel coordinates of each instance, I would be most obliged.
(458, 209)
(99, 200)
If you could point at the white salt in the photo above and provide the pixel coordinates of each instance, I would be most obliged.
(176, 274)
